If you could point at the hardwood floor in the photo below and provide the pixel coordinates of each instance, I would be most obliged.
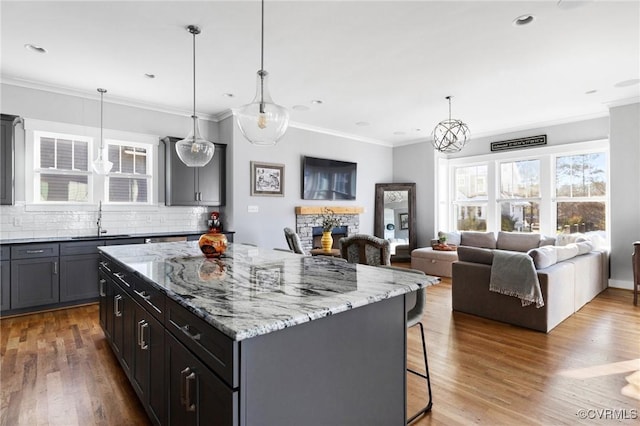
(57, 368)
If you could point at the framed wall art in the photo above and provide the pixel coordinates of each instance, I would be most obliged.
(267, 179)
(404, 220)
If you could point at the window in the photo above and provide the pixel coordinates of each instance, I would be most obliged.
(471, 197)
(547, 190)
(61, 168)
(581, 189)
(130, 178)
(519, 198)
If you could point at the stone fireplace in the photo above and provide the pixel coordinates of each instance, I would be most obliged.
(307, 219)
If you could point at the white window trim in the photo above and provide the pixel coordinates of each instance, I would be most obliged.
(150, 166)
(547, 182)
(97, 182)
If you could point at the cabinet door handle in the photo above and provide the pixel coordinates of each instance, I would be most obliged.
(142, 326)
(195, 196)
(102, 283)
(55, 268)
(183, 385)
(35, 251)
(186, 330)
(116, 305)
(105, 265)
(120, 276)
(190, 406)
(143, 295)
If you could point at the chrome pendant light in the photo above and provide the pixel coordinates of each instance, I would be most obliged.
(262, 121)
(450, 135)
(100, 165)
(194, 151)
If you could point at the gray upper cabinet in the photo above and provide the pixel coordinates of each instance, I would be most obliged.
(6, 159)
(194, 186)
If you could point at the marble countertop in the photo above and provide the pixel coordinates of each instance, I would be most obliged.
(252, 291)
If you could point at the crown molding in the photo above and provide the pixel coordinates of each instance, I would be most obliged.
(62, 90)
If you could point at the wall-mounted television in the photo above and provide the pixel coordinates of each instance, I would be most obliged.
(325, 179)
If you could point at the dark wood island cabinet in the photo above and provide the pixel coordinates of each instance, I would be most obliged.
(257, 337)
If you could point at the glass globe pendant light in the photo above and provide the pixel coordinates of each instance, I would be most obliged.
(262, 122)
(100, 165)
(194, 150)
(450, 135)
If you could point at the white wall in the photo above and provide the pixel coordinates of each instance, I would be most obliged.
(625, 195)
(265, 228)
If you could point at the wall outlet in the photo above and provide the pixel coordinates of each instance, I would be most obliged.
(252, 209)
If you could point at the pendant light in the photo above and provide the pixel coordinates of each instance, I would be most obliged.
(450, 135)
(100, 165)
(194, 151)
(262, 121)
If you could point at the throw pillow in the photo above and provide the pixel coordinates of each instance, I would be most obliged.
(547, 241)
(543, 257)
(567, 252)
(516, 241)
(478, 239)
(584, 247)
(564, 239)
(453, 238)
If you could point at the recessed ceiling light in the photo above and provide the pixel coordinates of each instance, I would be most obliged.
(523, 20)
(590, 92)
(300, 108)
(148, 75)
(316, 102)
(35, 49)
(228, 95)
(627, 83)
(363, 123)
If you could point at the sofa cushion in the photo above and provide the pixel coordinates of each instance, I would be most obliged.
(584, 247)
(478, 239)
(475, 255)
(564, 239)
(516, 241)
(566, 252)
(543, 257)
(547, 241)
(453, 238)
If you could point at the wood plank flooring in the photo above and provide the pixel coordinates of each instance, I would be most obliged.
(57, 369)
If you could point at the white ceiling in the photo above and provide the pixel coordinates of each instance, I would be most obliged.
(387, 63)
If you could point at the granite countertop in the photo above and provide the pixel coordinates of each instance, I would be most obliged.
(102, 237)
(252, 291)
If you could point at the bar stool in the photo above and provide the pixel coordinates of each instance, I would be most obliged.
(414, 315)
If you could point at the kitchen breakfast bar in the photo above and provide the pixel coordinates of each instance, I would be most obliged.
(257, 336)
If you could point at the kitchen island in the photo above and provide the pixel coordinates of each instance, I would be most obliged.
(259, 336)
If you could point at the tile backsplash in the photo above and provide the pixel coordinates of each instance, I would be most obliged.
(20, 221)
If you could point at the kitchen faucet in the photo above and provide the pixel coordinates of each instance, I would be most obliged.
(99, 222)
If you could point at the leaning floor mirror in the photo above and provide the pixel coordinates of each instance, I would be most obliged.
(395, 218)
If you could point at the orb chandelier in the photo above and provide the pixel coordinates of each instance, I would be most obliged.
(101, 165)
(194, 150)
(450, 135)
(262, 122)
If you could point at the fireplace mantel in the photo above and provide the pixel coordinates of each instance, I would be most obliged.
(308, 217)
(302, 210)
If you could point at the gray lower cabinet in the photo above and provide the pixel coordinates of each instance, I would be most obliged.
(34, 275)
(5, 278)
(196, 395)
(79, 271)
(194, 186)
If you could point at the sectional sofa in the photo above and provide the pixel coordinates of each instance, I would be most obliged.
(569, 276)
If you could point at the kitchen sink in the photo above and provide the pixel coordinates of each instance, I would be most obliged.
(101, 237)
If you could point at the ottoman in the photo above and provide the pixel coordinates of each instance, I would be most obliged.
(433, 262)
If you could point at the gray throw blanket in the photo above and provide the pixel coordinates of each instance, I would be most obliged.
(514, 274)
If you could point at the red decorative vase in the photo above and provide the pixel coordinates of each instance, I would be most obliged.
(213, 244)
